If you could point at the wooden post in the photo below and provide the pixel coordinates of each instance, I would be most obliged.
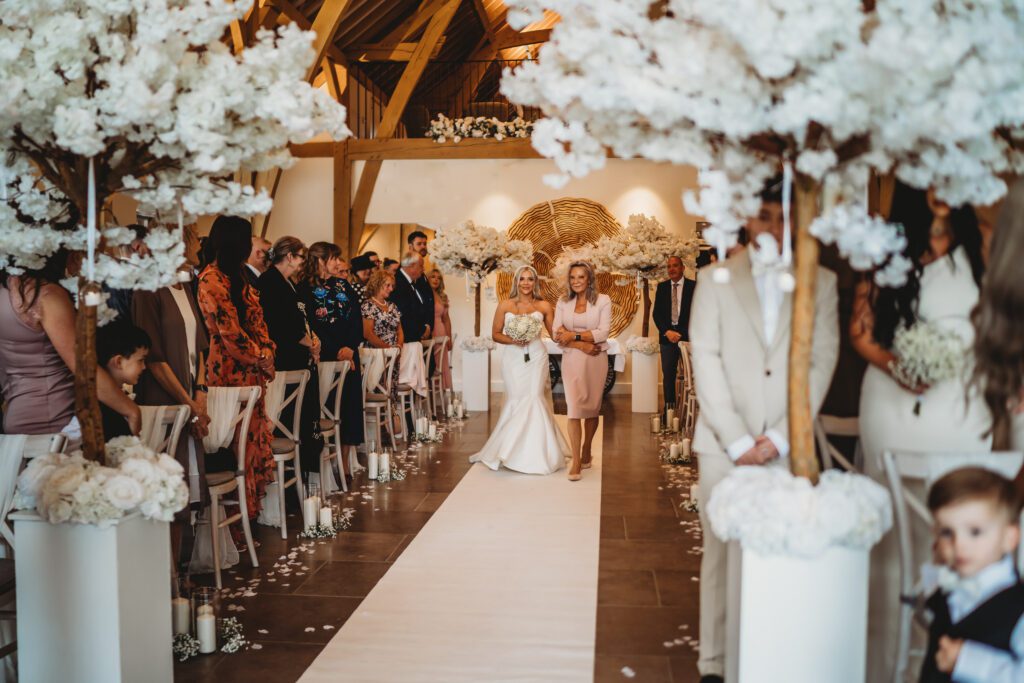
(476, 317)
(647, 306)
(343, 200)
(87, 405)
(802, 458)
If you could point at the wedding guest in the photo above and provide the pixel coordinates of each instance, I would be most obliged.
(740, 338)
(442, 326)
(241, 352)
(391, 265)
(120, 300)
(257, 262)
(672, 301)
(414, 299)
(944, 248)
(373, 259)
(382, 321)
(37, 354)
(362, 269)
(977, 629)
(121, 349)
(417, 242)
(582, 324)
(297, 347)
(334, 312)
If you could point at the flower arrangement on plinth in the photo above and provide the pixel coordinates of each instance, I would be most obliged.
(443, 129)
(645, 345)
(478, 251)
(772, 512)
(68, 488)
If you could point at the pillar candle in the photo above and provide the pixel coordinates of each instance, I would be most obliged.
(675, 424)
(181, 614)
(687, 447)
(372, 464)
(206, 632)
(384, 467)
(673, 450)
(669, 415)
(310, 506)
(325, 517)
(694, 492)
(461, 410)
(432, 431)
(656, 424)
(449, 410)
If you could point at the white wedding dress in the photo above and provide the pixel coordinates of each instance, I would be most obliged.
(526, 438)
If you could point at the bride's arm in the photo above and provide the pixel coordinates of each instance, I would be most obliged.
(498, 326)
(549, 317)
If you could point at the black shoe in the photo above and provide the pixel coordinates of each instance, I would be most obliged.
(712, 678)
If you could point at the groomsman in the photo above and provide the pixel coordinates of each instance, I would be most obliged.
(417, 241)
(672, 302)
(739, 335)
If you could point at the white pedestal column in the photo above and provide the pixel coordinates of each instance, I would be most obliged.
(645, 382)
(476, 380)
(94, 605)
(796, 620)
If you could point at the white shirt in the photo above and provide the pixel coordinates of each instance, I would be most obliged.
(254, 269)
(771, 296)
(680, 286)
(185, 308)
(418, 295)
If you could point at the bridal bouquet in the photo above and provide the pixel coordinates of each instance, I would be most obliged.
(926, 355)
(524, 328)
(69, 488)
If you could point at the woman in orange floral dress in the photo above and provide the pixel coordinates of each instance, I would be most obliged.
(241, 353)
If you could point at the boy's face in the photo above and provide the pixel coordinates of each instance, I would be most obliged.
(127, 370)
(973, 534)
(768, 220)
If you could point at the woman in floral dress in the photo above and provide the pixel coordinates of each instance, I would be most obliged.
(382, 322)
(241, 352)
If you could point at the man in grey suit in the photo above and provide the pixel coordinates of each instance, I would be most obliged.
(739, 336)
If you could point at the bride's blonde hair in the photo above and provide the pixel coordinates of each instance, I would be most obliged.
(536, 282)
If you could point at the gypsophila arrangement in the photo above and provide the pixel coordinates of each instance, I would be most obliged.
(524, 328)
(319, 531)
(478, 251)
(397, 474)
(69, 488)
(477, 344)
(231, 635)
(644, 345)
(443, 129)
(926, 354)
(184, 647)
(772, 512)
(681, 459)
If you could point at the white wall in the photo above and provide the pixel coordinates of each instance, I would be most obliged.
(491, 192)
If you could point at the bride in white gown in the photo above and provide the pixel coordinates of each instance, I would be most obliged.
(526, 438)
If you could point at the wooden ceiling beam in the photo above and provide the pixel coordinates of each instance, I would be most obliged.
(406, 149)
(380, 52)
(326, 24)
(426, 10)
(509, 38)
(485, 21)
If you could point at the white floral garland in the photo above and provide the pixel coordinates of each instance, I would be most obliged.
(477, 344)
(772, 512)
(478, 250)
(645, 345)
(68, 488)
(443, 129)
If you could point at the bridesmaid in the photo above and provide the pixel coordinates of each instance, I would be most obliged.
(583, 321)
(442, 326)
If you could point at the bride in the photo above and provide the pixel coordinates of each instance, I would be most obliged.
(526, 438)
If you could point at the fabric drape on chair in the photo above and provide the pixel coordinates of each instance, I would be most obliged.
(221, 405)
(411, 369)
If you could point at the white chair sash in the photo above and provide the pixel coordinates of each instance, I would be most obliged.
(373, 367)
(411, 369)
(274, 397)
(12, 448)
(152, 425)
(221, 406)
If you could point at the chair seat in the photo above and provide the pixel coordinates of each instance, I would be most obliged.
(281, 446)
(404, 389)
(327, 425)
(375, 398)
(218, 478)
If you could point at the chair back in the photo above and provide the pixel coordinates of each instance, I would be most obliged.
(830, 425)
(428, 348)
(230, 410)
(292, 384)
(14, 450)
(441, 344)
(332, 379)
(909, 475)
(162, 427)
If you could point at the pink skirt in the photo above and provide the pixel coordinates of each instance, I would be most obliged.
(583, 377)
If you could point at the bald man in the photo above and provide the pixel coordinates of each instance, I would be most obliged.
(257, 262)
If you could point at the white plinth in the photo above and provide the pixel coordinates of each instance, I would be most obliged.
(799, 621)
(476, 380)
(645, 382)
(94, 605)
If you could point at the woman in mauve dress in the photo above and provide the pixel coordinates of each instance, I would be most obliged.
(442, 326)
(583, 321)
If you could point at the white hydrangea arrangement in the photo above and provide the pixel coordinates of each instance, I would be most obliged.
(443, 129)
(478, 250)
(68, 488)
(771, 512)
(477, 344)
(645, 345)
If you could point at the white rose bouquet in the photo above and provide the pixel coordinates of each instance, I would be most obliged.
(524, 328)
(926, 355)
(69, 488)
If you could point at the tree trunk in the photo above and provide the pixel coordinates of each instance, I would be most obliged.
(803, 461)
(476, 318)
(646, 293)
(87, 405)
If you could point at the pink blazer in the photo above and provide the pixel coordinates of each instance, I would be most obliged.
(597, 319)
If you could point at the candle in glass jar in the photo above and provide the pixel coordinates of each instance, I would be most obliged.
(384, 466)
(675, 424)
(372, 464)
(673, 450)
(669, 415)
(206, 630)
(461, 412)
(432, 431)
(686, 447)
(449, 411)
(181, 614)
(310, 506)
(326, 518)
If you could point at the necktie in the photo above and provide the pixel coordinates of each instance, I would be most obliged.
(675, 303)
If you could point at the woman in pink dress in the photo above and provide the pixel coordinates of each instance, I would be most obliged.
(583, 321)
(442, 326)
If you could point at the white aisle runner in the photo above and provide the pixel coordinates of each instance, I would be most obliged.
(500, 585)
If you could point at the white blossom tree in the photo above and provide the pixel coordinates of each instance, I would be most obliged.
(931, 91)
(139, 97)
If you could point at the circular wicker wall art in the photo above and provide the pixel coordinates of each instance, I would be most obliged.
(563, 224)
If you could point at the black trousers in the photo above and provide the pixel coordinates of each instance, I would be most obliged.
(669, 365)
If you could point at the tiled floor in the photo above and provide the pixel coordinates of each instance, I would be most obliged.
(646, 593)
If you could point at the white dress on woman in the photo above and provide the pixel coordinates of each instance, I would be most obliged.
(526, 438)
(947, 421)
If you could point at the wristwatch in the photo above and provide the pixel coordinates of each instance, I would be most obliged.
(579, 338)
(201, 387)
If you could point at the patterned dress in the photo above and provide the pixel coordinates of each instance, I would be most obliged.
(234, 362)
(386, 323)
